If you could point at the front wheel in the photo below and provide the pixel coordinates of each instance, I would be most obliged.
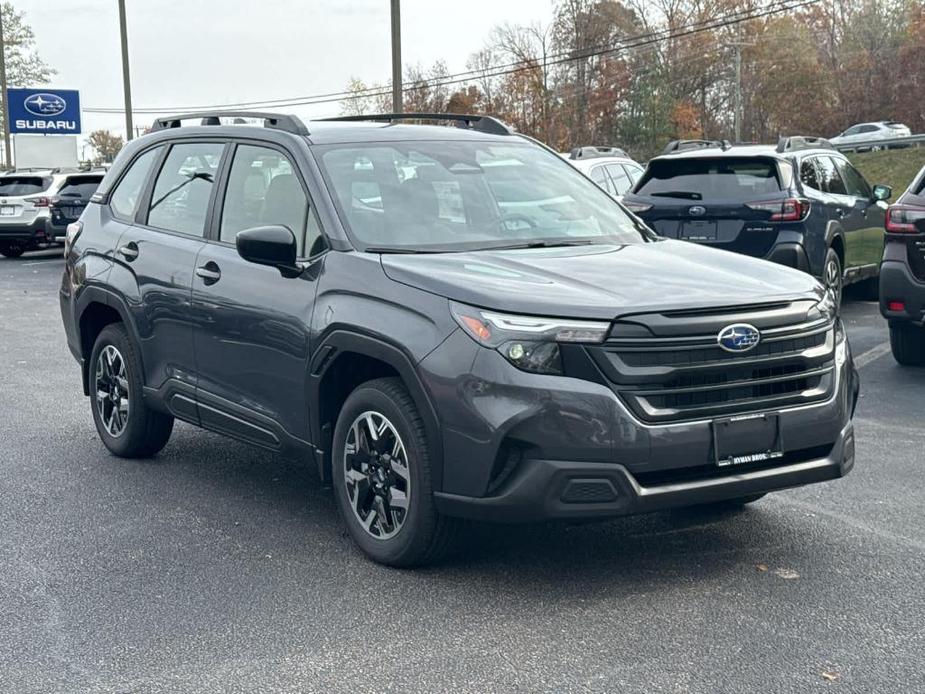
(382, 477)
(124, 422)
(908, 344)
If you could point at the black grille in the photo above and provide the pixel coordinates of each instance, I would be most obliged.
(685, 376)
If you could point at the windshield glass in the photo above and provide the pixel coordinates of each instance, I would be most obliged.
(449, 196)
(706, 179)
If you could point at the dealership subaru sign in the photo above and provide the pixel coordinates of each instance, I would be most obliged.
(44, 111)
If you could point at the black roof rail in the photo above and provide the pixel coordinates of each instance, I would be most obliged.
(277, 121)
(592, 152)
(484, 124)
(684, 145)
(797, 142)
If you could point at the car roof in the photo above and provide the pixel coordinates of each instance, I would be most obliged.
(589, 163)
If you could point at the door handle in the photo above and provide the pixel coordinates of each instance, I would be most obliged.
(210, 273)
(129, 251)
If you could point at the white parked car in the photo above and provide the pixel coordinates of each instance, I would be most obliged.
(610, 167)
(862, 132)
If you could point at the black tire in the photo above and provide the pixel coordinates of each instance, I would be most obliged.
(424, 534)
(833, 275)
(144, 431)
(908, 344)
(12, 249)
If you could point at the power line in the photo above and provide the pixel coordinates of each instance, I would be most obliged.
(638, 41)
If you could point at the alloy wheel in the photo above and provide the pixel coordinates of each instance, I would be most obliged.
(112, 394)
(833, 278)
(377, 475)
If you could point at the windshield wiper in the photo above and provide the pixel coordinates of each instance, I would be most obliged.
(536, 244)
(386, 249)
(690, 195)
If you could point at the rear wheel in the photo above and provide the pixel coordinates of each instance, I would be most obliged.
(126, 425)
(908, 344)
(12, 249)
(382, 477)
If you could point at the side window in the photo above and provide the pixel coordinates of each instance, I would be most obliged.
(853, 130)
(621, 181)
(808, 175)
(181, 193)
(263, 189)
(124, 199)
(829, 179)
(599, 176)
(868, 129)
(854, 181)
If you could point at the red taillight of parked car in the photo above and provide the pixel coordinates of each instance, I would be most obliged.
(905, 219)
(637, 207)
(40, 201)
(789, 210)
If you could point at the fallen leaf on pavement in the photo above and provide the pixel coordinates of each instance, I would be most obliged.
(830, 676)
(762, 567)
(787, 574)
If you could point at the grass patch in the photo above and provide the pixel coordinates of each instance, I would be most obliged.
(893, 167)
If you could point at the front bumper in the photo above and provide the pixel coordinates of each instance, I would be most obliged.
(555, 489)
(527, 447)
(897, 283)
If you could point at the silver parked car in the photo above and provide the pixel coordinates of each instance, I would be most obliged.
(610, 167)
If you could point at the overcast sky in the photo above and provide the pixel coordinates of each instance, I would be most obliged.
(194, 52)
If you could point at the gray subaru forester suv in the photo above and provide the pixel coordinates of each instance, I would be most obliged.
(450, 322)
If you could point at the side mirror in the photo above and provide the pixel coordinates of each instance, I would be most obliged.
(271, 245)
(882, 192)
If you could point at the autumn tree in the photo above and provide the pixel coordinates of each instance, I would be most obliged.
(106, 144)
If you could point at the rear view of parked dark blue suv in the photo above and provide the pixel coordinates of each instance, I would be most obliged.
(800, 203)
(450, 322)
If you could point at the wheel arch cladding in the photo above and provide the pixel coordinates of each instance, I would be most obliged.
(343, 361)
(97, 309)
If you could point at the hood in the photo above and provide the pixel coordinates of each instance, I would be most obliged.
(601, 281)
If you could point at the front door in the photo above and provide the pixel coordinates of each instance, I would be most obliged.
(252, 324)
(864, 247)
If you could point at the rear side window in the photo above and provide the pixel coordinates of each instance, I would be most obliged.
(702, 178)
(23, 185)
(619, 177)
(81, 188)
(808, 175)
(183, 187)
(599, 176)
(830, 181)
(124, 199)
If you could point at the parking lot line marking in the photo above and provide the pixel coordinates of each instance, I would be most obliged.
(40, 262)
(867, 357)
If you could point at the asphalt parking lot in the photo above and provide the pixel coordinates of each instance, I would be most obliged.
(219, 567)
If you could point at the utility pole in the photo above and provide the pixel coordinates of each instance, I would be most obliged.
(8, 152)
(738, 95)
(126, 79)
(396, 57)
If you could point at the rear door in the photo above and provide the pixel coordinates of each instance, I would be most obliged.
(158, 251)
(707, 200)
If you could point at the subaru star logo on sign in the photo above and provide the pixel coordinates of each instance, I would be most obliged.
(739, 337)
(44, 111)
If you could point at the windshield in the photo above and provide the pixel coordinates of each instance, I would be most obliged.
(454, 196)
(710, 179)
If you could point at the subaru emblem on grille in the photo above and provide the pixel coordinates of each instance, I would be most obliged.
(697, 211)
(739, 337)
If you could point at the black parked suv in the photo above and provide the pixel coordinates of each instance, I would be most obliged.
(451, 322)
(902, 274)
(800, 204)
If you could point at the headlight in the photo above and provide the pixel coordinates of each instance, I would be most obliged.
(530, 343)
(826, 306)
